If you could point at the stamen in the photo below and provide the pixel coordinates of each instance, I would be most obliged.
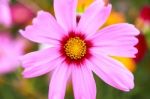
(75, 48)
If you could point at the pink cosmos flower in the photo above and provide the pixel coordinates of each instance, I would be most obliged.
(10, 51)
(5, 13)
(80, 48)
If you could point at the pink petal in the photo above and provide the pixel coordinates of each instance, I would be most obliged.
(116, 40)
(20, 45)
(58, 81)
(45, 29)
(94, 17)
(83, 83)
(65, 12)
(8, 57)
(5, 14)
(40, 62)
(112, 72)
(8, 64)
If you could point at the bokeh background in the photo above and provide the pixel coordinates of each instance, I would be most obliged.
(14, 86)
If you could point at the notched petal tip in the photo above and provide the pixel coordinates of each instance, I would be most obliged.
(136, 31)
(34, 21)
(135, 50)
(135, 40)
(25, 75)
(39, 14)
(113, 73)
(23, 32)
(128, 89)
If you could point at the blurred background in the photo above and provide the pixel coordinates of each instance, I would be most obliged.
(16, 14)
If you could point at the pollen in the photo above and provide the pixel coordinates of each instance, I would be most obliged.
(75, 48)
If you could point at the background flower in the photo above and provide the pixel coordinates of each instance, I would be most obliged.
(10, 51)
(5, 15)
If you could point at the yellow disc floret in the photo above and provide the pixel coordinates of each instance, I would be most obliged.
(75, 48)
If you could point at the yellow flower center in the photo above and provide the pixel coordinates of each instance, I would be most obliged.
(75, 48)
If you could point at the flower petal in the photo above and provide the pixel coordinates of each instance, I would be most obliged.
(45, 29)
(94, 17)
(112, 72)
(40, 62)
(83, 83)
(5, 14)
(59, 81)
(116, 40)
(65, 13)
(8, 64)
